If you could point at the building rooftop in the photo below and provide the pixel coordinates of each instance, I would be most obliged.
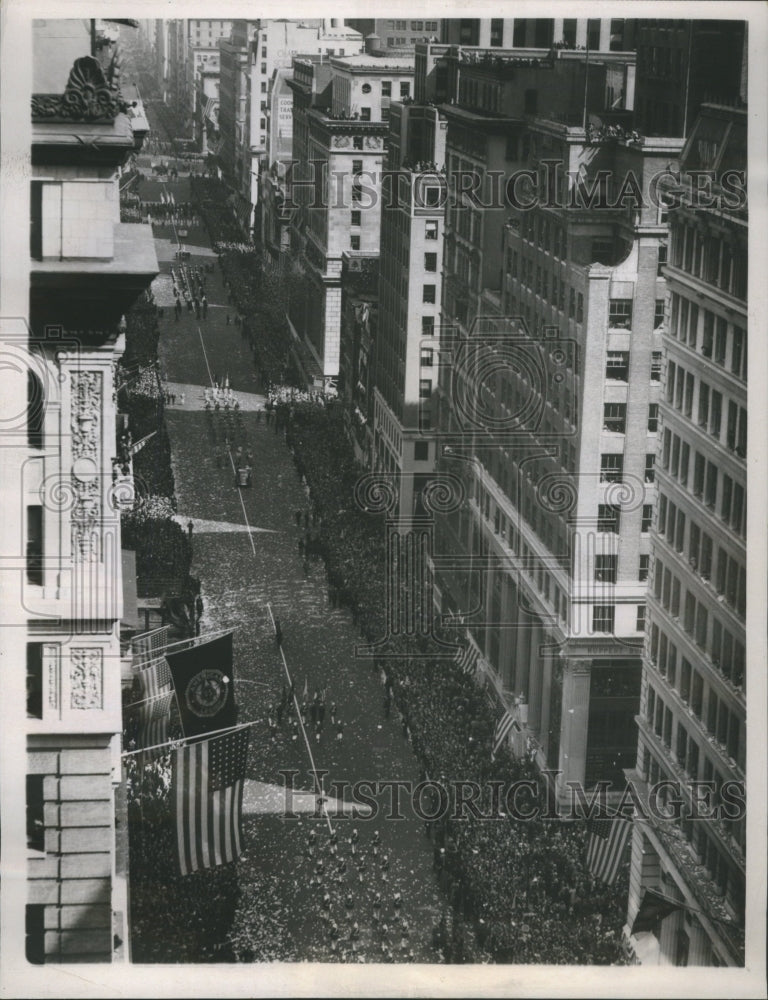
(377, 62)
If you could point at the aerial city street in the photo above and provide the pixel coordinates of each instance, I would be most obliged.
(406, 434)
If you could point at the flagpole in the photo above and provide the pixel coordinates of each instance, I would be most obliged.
(184, 739)
(301, 723)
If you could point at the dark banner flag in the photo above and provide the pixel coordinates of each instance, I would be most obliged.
(203, 677)
(207, 795)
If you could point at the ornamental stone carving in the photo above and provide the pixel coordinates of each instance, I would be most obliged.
(86, 677)
(373, 142)
(85, 420)
(90, 95)
(340, 141)
(85, 518)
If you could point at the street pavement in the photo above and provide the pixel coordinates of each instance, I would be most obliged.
(281, 913)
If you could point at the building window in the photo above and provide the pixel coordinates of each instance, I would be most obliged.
(647, 519)
(263, 86)
(357, 167)
(34, 680)
(354, 241)
(640, 621)
(427, 326)
(620, 313)
(615, 417)
(355, 217)
(386, 88)
(405, 89)
(656, 365)
(653, 417)
(35, 545)
(425, 388)
(427, 357)
(34, 928)
(611, 467)
(35, 411)
(608, 517)
(428, 294)
(605, 569)
(365, 114)
(603, 618)
(617, 365)
(658, 315)
(650, 468)
(35, 813)
(357, 142)
(430, 230)
(662, 259)
(430, 262)
(421, 451)
(642, 573)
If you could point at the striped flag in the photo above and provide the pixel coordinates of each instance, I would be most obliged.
(207, 795)
(148, 645)
(608, 837)
(466, 659)
(149, 721)
(504, 727)
(154, 679)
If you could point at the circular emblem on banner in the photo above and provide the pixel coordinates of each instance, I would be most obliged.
(206, 693)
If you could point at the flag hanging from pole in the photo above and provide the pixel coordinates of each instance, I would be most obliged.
(154, 679)
(148, 722)
(466, 659)
(608, 838)
(654, 907)
(149, 645)
(207, 795)
(203, 677)
(504, 727)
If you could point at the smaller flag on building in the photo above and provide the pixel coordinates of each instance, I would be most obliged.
(653, 909)
(149, 720)
(506, 724)
(149, 645)
(608, 838)
(466, 659)
(207, 796)
(154, 679)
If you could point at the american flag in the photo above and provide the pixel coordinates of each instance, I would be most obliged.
(149, 720)
(504, 727)
(207, 794)
(466, 659)
(608, 836)
(154, 679)
(148, 645)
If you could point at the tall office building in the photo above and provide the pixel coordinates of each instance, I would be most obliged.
(339, 153)
(86, 270)
(693, 709)
(680, 64)
(407, 349)
(552, 316)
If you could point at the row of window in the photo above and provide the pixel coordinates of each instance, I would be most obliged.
(680, 392)
(727, 655)
(415, 25)
(708, 481)
(718, 261)
(711, 335)
(723, 873)
(615, 420)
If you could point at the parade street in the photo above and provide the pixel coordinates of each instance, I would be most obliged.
(308, 884)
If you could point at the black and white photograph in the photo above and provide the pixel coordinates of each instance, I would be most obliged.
(379, 597)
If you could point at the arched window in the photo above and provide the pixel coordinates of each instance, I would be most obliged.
(35, 410)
